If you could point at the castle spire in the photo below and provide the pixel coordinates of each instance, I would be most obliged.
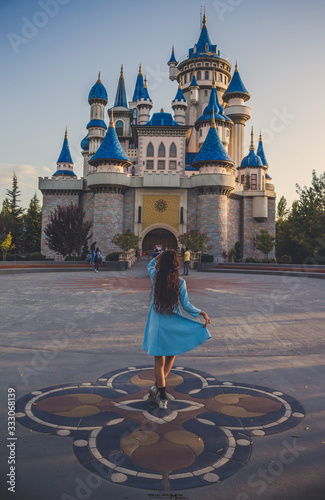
(252, 148)
(111, 123)
(204, 19)
(120, 99)
(99, 80)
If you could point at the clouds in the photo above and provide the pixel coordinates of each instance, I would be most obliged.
(27, 176)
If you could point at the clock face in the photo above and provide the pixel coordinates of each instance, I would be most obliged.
(161, 205)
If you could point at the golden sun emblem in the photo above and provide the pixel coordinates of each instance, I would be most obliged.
(161, 205)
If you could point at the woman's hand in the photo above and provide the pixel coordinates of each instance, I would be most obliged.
(206, 318)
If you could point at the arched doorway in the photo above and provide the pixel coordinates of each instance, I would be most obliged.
(159, 236)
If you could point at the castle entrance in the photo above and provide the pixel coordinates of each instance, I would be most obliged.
(161, 237)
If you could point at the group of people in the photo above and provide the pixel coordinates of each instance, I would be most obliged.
(94, 256)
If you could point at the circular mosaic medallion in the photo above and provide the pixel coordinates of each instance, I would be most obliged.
(161, 205)
(118, 433)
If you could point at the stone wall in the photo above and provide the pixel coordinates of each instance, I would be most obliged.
(108, 218)
(212, 220)
(192, 207)
(50, 202)
(233, 221)
(129, 200)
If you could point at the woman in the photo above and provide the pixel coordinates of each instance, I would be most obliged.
(97, 259)
(168, 332)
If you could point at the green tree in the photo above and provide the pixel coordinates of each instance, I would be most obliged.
(33, 226)
(126, 241)
(194, 241)
(282, 210)
(7, 245)
(14, 214)
(238, 251)
(266, 242)
(67, 230)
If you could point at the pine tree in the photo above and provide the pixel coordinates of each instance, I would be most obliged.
(33, 226)
(14, 215)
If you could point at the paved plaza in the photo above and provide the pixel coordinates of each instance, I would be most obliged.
(246, 410)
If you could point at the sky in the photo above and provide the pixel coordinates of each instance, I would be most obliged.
(52, 50)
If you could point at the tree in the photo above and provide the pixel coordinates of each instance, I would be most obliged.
(67, 230)
(238, 251)
(7, 245)
(194, 241)
(14, 214)
(126, 241)
(282, 210)
(33, 226)
(265, 242)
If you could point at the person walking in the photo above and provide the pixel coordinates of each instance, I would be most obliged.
(97, 258)
(93, 250)
(167, 332)
(187, 258)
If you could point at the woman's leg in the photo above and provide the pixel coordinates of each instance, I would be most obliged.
(169, 361)
(160, 371)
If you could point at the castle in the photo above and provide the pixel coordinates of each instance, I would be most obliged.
(163, 175)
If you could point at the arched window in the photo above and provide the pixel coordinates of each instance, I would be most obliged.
(150, 150)
(191, 76)
(173, 150)
(185, 79)
(119, 128)
(207, 75)
(161, 151)
(199, 75)
(220, 77)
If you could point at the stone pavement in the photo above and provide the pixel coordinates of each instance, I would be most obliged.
(246, 413)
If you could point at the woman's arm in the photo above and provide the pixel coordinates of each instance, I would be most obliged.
(206, 317)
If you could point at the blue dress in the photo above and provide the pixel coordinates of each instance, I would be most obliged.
(172, 334)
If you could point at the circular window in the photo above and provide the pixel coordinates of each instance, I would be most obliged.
(161, 205)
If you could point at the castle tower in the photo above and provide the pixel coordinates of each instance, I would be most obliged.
(65, 163)
(179, 106)
(214, 110)
(107, 184)
(215, 182)
(172, 63)
(236, 95)
(96, 127)
(138, 90)
(144, 105)
(123, 114)
(203, 60)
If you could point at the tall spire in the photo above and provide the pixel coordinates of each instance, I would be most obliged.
(213, 121)
(252, 148)
(140, 70)
(111, 123)
(99, 80)
(204, 19)
(214, 81)
(66, 132)
(120, 99)
(138, 91)
(260, 151)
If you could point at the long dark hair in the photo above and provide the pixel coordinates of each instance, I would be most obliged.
(166, 290)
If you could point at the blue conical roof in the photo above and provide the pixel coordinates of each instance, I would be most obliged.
(145, 94)
(120, 99)
(215, 106)
(260, 152)
(172, 57)
(236, 87)
(204, 45)
(179, 96)
(98, 91)
(65, 156)
(85, 144)
(110, 148)
(138, 87)
(252, 159)
(194, 82)
(212, 150)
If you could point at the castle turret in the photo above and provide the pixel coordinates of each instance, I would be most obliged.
(236, 95)
(123, 114)
(214, 109)
(96, 127)
(172, 63)
(179, 105)
(144, 105)
(110, 156)
(194, 89)
(138, 90)
(65, 163)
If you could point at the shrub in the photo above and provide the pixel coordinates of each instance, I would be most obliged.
(112, 257)
(207, 257)
(286, 259)
(36, 256)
